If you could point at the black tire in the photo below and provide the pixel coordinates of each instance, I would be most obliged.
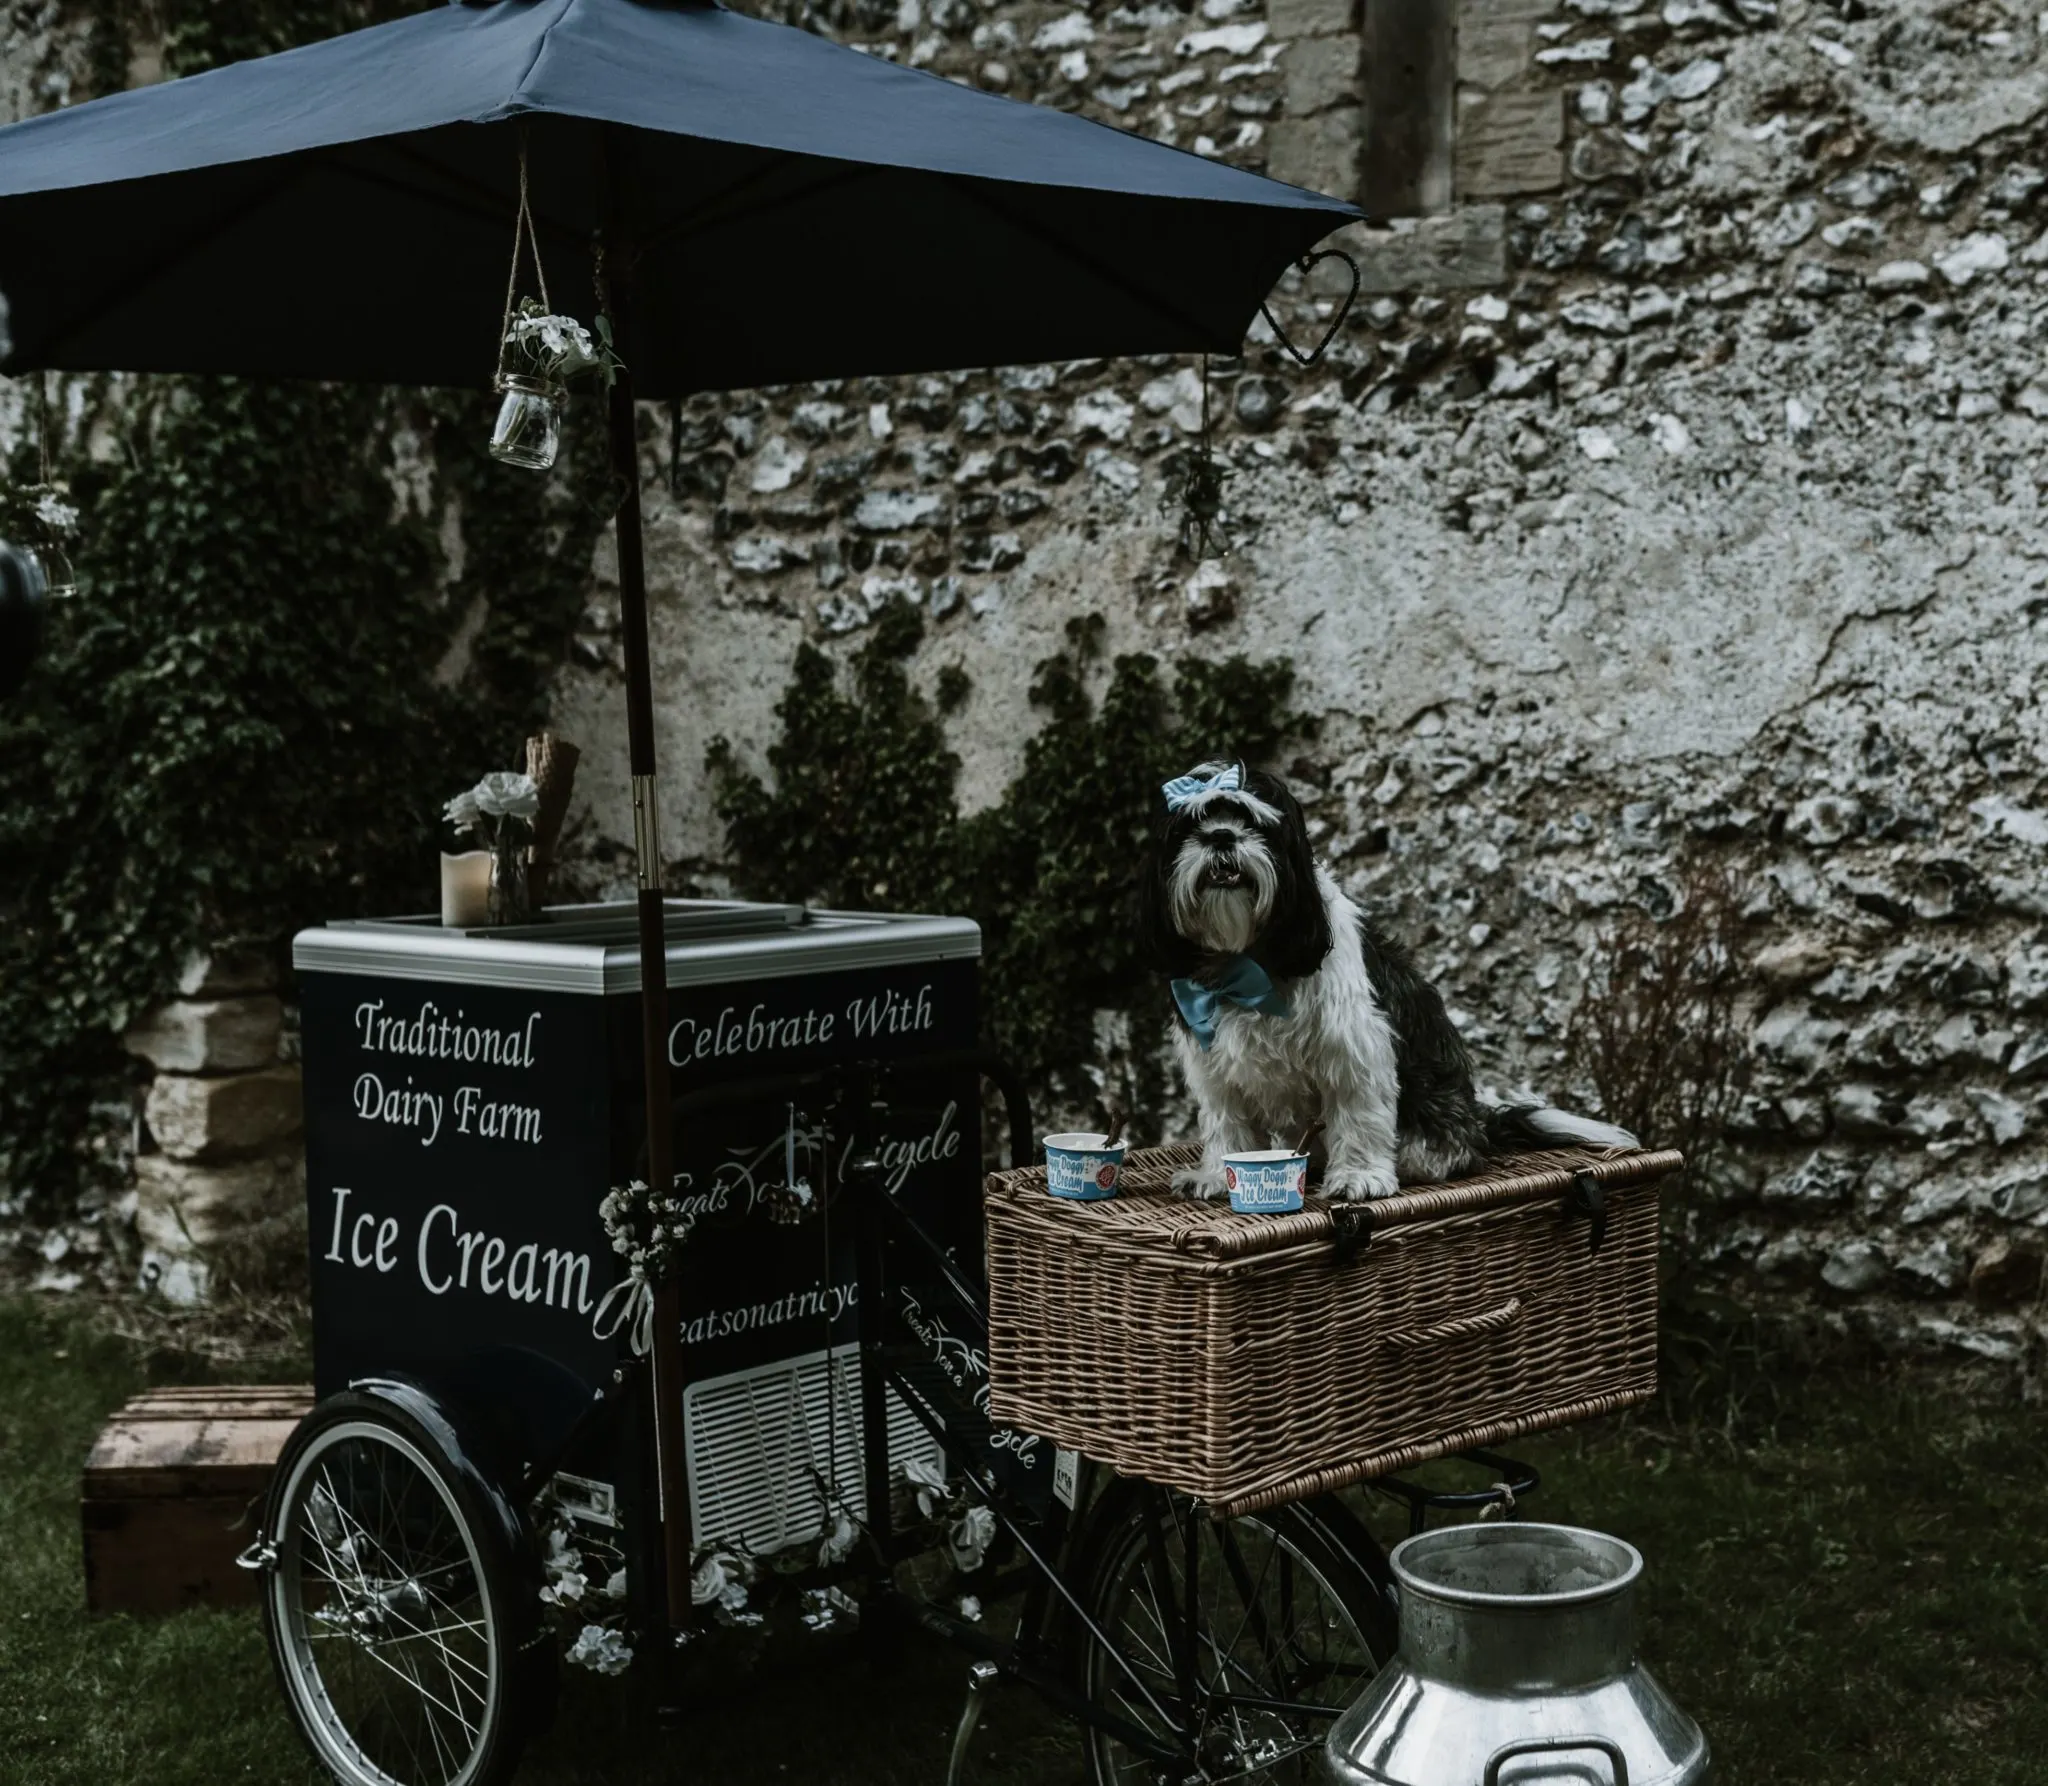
(400, 1611)
(1293, 1605)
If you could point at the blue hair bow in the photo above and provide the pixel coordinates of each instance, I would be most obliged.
(1184, 790)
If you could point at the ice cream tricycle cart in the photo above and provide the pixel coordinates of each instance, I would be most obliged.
(483, 1369)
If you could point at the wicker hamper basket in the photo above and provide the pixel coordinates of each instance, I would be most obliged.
(1249, 1360)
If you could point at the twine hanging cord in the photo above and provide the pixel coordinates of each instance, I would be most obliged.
(523, 233)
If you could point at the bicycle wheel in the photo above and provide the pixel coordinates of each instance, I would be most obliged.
(394, 1610)
(1287, 1621)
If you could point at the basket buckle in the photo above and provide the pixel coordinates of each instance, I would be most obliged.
(1588, 1197)
(1352, 1225)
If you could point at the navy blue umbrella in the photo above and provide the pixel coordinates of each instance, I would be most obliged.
(749, 205)
(795, 210)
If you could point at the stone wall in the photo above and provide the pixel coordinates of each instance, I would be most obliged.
(1672, 494)
(217, 1142)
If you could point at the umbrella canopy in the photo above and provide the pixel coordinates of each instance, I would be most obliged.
(800, 210)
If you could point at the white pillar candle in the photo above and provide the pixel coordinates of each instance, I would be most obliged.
(466, 890)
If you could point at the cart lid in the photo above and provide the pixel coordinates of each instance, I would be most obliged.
(595, 948)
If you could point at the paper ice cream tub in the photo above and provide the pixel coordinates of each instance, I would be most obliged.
(1082, 1168)
(1267, 1182)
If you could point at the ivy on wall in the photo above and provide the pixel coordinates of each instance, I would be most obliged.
(863, 812)
(249, 719)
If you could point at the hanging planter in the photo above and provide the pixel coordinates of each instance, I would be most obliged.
(539, 352)
(40, 520)
(528, 431)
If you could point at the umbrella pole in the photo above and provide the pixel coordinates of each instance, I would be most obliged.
(668, 1315)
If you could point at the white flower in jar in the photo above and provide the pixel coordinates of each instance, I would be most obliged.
(562, 342)
(506, 794)
(463, 812)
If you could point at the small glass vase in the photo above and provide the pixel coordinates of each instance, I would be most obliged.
(510, 901)
(528, 432)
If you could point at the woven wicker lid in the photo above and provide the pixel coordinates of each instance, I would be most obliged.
(1146, 1208)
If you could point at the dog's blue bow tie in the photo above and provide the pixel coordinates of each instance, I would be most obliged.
(1184, 790)
(1243, 982)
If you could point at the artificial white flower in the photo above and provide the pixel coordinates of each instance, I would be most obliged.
(838, 1540)
(929, 1480)
(614, 1585)
(561, 342)
(602, 1649)
(566, 1589)
(969, 1538)
(55, 513)
(721, 1580)
(463, 812)
(563, 1565)
(506, 794)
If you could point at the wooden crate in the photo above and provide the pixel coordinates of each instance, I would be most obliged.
(173, 1492)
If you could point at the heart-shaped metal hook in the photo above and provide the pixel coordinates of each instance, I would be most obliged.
(1308, 263)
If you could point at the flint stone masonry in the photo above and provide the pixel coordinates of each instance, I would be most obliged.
(1680, 500)
(1674, 496)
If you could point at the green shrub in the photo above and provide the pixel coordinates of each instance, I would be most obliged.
(864, 812)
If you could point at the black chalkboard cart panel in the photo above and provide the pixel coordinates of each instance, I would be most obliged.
(470, 1096)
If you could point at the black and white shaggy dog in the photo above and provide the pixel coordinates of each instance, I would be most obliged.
(1296, 1009)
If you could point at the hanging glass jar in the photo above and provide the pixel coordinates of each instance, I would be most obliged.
(528, 432)
(59, 579)
(44, 525)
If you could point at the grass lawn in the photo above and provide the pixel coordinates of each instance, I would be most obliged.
(1848, 1581)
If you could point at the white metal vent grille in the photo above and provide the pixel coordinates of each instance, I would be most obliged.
(760, 1441)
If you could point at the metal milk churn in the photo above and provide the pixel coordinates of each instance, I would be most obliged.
(1517, 1666)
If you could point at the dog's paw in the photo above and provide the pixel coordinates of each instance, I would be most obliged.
(1203, 1182)
(1360, 1184)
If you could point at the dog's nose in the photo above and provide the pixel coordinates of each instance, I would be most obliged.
(1220, 838)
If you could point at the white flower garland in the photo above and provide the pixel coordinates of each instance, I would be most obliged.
(970, 1527)
(584, 1590)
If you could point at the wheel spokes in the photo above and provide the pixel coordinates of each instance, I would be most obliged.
(391, 1647)
(1270, 1631)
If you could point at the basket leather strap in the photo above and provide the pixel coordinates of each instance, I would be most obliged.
(1351, 1231)
(1588, 1197)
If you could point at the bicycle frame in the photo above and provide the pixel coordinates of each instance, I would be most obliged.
(933, 1372)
